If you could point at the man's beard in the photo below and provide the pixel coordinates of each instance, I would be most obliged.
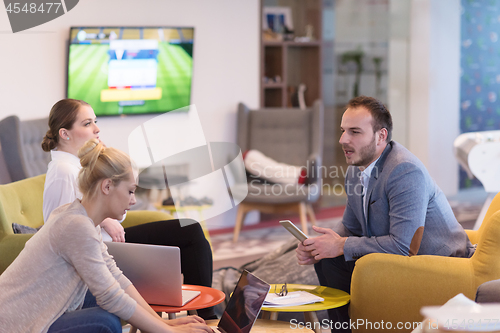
(366, 154)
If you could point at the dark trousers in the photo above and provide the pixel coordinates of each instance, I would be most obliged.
(336, 273)
(196, 254)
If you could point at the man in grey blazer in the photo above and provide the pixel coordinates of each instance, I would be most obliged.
(393, 205)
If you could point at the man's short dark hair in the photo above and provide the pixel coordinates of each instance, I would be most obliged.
(381, 116)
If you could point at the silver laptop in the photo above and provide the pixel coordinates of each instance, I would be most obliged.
(244, 305)
(154, 270)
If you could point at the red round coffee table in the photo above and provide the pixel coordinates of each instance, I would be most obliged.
(208, 297)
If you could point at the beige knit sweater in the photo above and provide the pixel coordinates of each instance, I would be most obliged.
(52, 273)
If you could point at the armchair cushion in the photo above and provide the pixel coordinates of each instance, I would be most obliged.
(23, 229)
(488, 292)
(262, 166)
(287, 135)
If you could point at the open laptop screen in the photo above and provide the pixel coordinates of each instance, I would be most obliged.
(245, 304)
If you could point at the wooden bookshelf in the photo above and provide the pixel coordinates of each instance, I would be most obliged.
(286, 64)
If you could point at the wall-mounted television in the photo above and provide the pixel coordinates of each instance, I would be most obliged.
(131, 70)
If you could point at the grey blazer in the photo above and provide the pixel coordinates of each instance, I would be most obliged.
(407, 213)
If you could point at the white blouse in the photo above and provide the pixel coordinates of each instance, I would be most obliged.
(61, 185)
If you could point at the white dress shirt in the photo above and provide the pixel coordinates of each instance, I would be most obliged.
(365, 179)
(61, 185)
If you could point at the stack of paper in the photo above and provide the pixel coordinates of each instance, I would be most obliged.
(292, 299)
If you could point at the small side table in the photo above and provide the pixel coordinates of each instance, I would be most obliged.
(333, 298)
(269, 326)
(208, 297)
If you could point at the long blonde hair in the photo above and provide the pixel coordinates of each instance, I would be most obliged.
(99, 163)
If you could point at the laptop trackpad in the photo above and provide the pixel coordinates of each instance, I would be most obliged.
(189, 295)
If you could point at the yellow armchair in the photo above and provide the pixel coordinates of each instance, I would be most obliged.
(393, 288)
(137, 217)
(22, 202)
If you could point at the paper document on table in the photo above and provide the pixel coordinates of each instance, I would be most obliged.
(291, 299)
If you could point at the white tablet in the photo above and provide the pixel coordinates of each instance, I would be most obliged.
(292, 228)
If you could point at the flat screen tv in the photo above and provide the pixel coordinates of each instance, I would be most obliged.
(131, 70)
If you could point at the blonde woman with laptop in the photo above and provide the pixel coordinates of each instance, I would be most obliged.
(73, 122)
(49, 287)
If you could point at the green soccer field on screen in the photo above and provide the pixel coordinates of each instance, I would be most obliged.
(119, 72)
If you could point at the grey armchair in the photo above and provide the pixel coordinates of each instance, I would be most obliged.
(21, 148)
(287, 135)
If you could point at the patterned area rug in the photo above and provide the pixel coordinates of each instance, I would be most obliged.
(253, 244)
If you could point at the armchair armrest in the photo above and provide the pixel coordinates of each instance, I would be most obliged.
(10, 247)
(473, 236)
(137, 217)
(393, 288)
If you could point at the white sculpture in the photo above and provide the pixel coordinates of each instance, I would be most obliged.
(479, 154)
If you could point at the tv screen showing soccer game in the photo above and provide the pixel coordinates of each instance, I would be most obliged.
(131, 70)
